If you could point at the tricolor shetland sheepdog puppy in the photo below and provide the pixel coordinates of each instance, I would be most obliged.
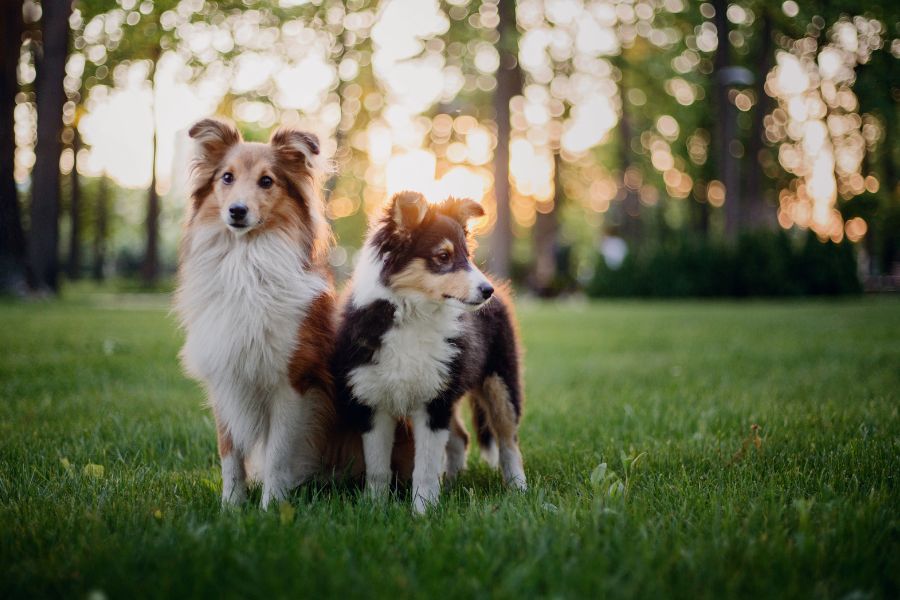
(422, 326)
(256, 303)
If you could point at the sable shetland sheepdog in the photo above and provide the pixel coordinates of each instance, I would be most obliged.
(422, 327)
(257, 304)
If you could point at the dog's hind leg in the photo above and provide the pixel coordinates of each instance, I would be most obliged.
(457, 445)
(499, 405)
(487, 441)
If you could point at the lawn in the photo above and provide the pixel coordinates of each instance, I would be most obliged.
(750, 450)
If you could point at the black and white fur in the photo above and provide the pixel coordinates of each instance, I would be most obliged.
(421, 328)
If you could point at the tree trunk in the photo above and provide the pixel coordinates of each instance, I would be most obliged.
(12, 237)
(74, 266)
(630, 208)
(150, 269)
(726, 125)
(627, 213)
(101, 227)
(756, 214)
(883, 260)
(546, 240)
(43, 243)
(509, 84)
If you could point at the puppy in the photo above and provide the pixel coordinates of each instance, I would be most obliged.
(257, 304)
(422, 327)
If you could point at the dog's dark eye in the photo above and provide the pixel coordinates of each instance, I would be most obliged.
(227, 178)
(442, 257)
(265, 182)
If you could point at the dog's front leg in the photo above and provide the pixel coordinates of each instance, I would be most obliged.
(234, 477)
(290, 456)
(431, 442)
(378, 443)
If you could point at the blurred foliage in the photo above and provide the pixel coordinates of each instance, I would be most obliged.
(761, 264)
(644, 73)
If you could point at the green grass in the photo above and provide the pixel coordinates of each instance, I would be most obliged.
(809, 509)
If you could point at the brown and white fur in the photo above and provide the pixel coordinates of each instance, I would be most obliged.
(421, 328)
(256, 302)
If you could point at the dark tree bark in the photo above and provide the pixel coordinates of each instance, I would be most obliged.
(101, 228)
(726, 164)
(74, 266)
(150, 268)
(546, 240)
(12, 237)
(43, 242)
(629, 205)
(756, 214)
(509, 84)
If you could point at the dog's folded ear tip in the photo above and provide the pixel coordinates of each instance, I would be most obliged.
(287, 136)
(409, 197)
(462, 209)
(215, 128)
(408, 207)
(473, 206)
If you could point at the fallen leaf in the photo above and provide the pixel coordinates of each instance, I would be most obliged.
(286, 512)
(92, 470)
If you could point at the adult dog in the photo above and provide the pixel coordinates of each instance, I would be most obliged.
(256, 302)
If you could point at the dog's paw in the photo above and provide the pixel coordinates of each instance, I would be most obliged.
(517, 482)
(234, 498)
(421, 505)
(456, 463)
(425, 499)
(378, 493)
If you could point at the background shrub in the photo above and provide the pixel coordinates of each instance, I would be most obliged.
(760, 264)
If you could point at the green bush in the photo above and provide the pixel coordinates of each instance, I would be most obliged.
(760, 264)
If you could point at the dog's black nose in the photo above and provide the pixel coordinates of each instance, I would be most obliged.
(486, 290)
(238, 211)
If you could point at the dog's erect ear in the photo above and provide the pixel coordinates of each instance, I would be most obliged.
(408, 209)
(214, 138)
(461, 209)
(298, 148)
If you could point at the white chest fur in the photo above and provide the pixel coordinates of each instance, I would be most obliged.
(241, 302)
(413, 363)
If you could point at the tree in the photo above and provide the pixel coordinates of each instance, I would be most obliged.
(101, 229)
(150, 268)
(12, 238)
(45, 201)
(754, 212)
(546, 238)
(142, 38)
(630, 206)
(726, 163)
(73, 268)
(509, 84)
